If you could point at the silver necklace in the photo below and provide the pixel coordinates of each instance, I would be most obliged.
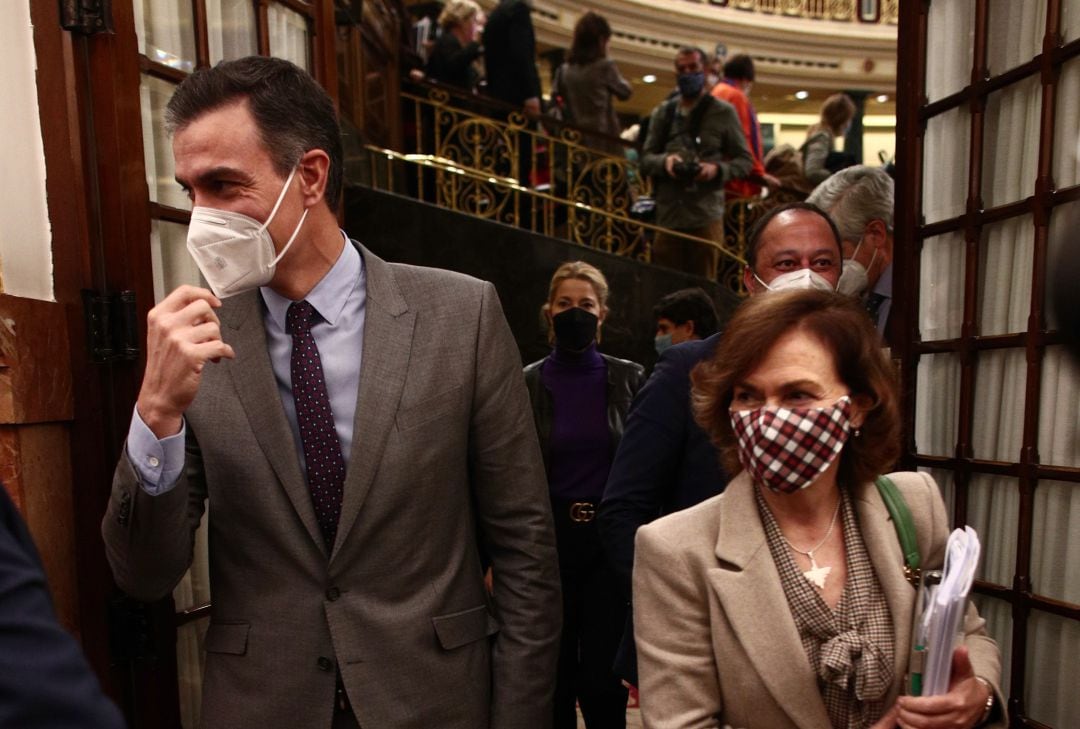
(817, 575)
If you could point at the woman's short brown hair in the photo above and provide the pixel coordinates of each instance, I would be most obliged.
(836, 112)
(844, 329)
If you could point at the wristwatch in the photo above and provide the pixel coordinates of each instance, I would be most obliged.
(989, 701)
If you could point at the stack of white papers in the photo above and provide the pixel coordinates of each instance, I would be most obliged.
(939, 614)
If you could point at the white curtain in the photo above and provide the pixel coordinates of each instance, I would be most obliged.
(941, 287)
(1011, 142)
(946, 151)
(157, 145)
(193, 590)
(1070, 20)
(166, 32)
(288, 35)
(950, 36)
(1067, 126)
(231, 29)
(1005, 266)
(1016, 31)
(937, 399)
(1051, 696)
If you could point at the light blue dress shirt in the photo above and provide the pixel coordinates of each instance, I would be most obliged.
(340, 297)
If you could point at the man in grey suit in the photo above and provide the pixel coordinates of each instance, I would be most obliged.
(361, 431)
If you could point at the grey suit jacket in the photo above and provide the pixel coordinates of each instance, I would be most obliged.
(717, 644)
(444, 454)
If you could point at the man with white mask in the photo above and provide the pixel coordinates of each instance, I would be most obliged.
(860, 200)
(358, 428)
(665, 462)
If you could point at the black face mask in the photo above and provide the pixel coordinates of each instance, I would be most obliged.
(575, 329)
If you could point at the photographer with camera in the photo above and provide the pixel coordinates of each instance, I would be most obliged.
(695, 144)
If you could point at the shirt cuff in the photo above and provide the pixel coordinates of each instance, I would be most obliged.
(158, 462)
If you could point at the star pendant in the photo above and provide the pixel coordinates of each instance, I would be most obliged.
(817, 575)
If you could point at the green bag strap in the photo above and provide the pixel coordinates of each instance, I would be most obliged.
(905, 526)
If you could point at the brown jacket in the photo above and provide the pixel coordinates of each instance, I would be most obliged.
(717, 644)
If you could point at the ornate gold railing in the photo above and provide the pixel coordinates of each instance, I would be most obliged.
(866, 11)
(502, 166)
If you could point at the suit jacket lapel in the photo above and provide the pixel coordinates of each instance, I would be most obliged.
(748, 585)
(253, 378)
(388, 334)
(883, 547)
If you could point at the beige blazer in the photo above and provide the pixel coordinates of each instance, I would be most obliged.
(444, 457)
(717, 644)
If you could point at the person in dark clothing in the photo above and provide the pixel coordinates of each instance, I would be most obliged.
(512, 78)
(510, 56)
(580, 400)
(666, 462)
(45, 681)
(458, 46)
(685, 315)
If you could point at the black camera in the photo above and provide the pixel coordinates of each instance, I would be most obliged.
(686, 170)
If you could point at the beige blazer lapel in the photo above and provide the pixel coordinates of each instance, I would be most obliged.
(883, 547)
(748, 585)
(256, 386)
(388, 333)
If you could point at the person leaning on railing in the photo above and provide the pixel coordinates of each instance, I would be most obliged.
(457, 47)
(584, 86)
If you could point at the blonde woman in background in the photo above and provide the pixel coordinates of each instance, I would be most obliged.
(836, 115)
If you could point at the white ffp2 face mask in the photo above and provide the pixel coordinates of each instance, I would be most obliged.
(235, 253)
(804, 278)
(854, 278)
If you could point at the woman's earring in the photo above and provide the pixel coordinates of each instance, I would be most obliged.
(857, 432)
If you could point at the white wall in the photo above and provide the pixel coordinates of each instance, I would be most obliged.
(25, 234)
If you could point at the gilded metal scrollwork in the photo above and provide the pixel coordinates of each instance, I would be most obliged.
(507, 170)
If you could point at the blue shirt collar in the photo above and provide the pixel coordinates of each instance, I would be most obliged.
(328, 297)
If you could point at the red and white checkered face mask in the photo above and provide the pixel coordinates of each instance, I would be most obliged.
(784, 449)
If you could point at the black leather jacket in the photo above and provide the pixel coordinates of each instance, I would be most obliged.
(624, 378)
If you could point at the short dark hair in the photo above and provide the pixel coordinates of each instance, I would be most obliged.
(841, 325)
(740, 67)
(292, 112)
(689, 305)
(590, 32)
(687, 50)
(753, 241)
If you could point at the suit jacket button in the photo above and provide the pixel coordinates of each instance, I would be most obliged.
(325, 664)
(333, 593)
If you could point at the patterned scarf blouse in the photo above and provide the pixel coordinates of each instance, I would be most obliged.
(850, 649)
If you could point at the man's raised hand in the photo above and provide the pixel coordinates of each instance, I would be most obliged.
(183, 332)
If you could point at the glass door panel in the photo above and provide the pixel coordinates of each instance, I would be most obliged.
(157, 145)
(945, 164)
(937, 404)
(1055, 569)
(231, 29)
(941, 287)
(1051, 697)
(289, 33)
(1011, 142)
(166, 32)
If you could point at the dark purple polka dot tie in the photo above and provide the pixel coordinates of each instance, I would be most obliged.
(322, 449)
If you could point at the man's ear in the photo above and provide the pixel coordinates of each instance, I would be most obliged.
(877, 236)
(313, 171)
(749, 282)
(691, 328)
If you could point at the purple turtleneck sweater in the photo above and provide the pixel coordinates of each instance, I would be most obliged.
(579, 446)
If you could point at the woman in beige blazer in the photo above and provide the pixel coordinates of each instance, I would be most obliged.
(782, 603)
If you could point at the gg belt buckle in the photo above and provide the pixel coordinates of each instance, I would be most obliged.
(582, 511)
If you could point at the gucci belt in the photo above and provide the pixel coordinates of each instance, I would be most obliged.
(582, 511)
